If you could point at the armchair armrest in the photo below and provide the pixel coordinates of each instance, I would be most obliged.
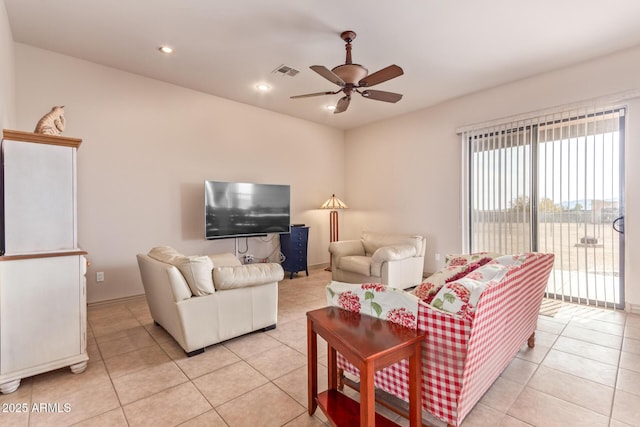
(390, 253)
(239, 276)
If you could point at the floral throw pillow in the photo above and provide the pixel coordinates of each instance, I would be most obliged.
(491, 272)
(376, 300)
(430, 287)
(459, 297)
(427, 289)
(464, 259)
(514, 261)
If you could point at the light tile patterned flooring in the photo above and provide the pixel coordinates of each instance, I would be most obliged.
(584, 370)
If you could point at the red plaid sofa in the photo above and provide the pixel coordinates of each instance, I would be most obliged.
(462, 357)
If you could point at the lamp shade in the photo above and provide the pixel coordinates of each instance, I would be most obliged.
(334, 203)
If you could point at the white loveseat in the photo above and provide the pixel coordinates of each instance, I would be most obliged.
(391, 259)
(203, 300)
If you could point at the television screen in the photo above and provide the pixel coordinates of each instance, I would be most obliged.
(234, 209)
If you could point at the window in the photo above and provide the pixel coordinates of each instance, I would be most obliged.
(552, 184)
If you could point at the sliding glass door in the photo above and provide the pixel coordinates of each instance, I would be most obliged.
(554, 184)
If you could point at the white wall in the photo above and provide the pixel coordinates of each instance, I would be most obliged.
(147, 148)
(405, 174)
(7, 92)
(149, 145)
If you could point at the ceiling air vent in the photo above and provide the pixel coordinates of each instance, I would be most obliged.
(286, 71)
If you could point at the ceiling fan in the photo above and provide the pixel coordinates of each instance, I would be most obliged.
(355, 78)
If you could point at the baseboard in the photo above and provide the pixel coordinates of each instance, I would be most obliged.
(633, 308)
(321, 266)
(116, 300)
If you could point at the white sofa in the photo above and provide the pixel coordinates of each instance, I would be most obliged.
(203, 300)
(391, 259)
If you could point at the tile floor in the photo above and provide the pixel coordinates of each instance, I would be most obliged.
(584, 370)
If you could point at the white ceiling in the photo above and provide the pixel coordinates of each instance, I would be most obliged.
(447, 48)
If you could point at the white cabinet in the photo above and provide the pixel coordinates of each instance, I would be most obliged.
(42, 272)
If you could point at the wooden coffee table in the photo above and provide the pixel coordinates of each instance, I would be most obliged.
(370, 344)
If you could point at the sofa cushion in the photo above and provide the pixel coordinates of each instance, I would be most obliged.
(195, 269)
(225, 259)
(164, 254)
(373, 241)
(342, 248)
(240, 276)
(197, 272)
(356, 264)
(464, 259)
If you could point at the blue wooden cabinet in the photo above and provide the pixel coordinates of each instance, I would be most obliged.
(293, 247)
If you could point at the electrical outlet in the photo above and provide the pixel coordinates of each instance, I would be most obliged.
(100, 276)
(248, 259)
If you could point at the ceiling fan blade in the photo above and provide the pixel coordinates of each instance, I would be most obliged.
(380, 95)
(308, 95)
(342, 105)
(388, 73)
(328, 74)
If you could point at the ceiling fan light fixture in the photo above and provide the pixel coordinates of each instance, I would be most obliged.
(350, 73)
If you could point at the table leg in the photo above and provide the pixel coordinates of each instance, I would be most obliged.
(332, 367)
(367, 396)
(312, 367)
(415, 389)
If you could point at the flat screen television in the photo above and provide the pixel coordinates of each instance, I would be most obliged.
(239, 209)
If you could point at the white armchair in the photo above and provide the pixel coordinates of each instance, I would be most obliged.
(203, 300)
(390, 259)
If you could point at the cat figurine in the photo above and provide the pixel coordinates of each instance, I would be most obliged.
(52, 123)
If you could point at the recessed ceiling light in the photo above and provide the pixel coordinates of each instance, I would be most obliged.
(263, 87)
(165, 49)
(330, 107)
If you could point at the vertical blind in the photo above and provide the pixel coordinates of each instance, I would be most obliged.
(500, 189)
(552, 183)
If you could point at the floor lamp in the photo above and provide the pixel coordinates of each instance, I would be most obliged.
(333, 203)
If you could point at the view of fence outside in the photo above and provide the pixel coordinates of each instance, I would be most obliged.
(585, 245)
